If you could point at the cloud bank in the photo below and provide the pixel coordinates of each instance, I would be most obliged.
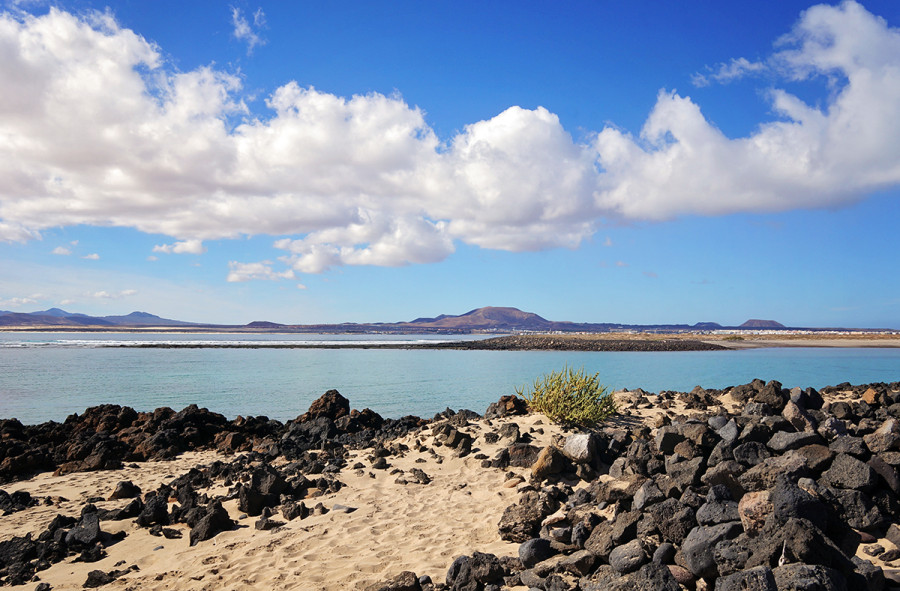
(95, 129)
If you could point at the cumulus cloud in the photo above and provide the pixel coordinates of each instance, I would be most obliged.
(92, 257)
(62, 251)
(239, 272)
(18, 302)
(106, 295)
(246, 32)
(183, 247)
(96, 129)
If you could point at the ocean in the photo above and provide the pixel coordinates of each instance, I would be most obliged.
(47, 376)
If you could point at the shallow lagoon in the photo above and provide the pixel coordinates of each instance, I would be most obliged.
(43, 378)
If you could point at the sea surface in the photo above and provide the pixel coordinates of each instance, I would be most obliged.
(47, 376)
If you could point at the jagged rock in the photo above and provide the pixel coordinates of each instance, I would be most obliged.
(685, 473)
(887, 472)
(331, 405)
(86, 533)
(156, 510)
(214, 521)
(673, 520)
(783, 441)
(650, 577)
(799, 577)
(799, 418)
(125, 490)
(765, 474)
(293, 510)
(97, 578)
(522, 521)
(885, 438)
(473, 572)
(699, 544)
(579, 563)
(789, 500)
(799, 541)
(848, 472)
(648, 494)
(759, 578)
(405, 581)
(730, 557)
(751, 453)
(872, 575)
(507, 406)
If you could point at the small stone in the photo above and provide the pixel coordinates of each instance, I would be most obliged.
(628, 557)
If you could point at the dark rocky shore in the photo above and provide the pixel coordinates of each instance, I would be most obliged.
(506, 343)
(780, 495)
(584, 343)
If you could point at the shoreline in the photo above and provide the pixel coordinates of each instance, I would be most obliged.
(611, 342)
(339, 498)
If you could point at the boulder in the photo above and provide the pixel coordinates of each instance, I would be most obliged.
(885, 438)
(405, 581)
(125, 490)
(550, 461)
(848, 472)
(474, 572)
(581, 448)
(698, 547)
(508, 405)
(534, 551)
(331, 405)
(215, 520)
(522, 521)
(759, 578)
(628, 557)
(800, 577)
(783, 441)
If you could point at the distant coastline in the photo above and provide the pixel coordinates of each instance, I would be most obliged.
(526, 342)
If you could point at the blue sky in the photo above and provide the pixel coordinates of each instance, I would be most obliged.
(635, 162)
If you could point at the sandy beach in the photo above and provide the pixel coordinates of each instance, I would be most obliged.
(384, 520)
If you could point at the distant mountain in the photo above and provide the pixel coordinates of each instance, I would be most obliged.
(487, 319)
(754, 323)
(144, 319)
(61, 318)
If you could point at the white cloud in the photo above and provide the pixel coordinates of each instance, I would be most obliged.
(152, 258)
(239, 272)
(244, 31)
(106, 295)
(733, 70)
(96, 129)
(18, 302)
(183, 247)
(62, 251)
(92, 257)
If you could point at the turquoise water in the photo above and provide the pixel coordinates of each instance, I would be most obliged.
(48, 376)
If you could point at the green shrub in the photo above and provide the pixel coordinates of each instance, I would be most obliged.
(570, 398)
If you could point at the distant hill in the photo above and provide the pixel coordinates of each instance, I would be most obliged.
(487, 319)
(61, 318)
(754, 323)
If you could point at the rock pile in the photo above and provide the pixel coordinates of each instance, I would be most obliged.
(106, 436)
(780, 496)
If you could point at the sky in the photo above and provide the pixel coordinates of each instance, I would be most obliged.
(307, 162)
